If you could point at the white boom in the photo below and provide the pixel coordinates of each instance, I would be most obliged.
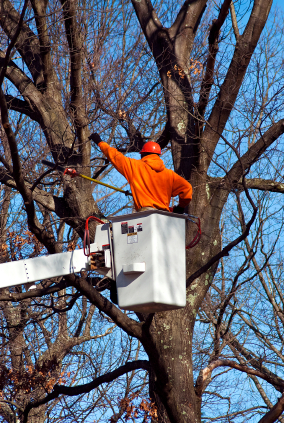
(38, 268)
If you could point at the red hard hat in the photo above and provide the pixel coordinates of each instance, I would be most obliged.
(151, 147)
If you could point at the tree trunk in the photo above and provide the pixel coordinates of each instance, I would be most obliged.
(171, 332)
(174, 355)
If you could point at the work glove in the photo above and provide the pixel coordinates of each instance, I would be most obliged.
(96, 138)
(178, 209)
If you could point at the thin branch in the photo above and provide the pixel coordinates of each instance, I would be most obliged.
(39, 292)
(43, 236)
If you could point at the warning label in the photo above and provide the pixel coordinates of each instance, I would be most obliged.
(132, 238)
(139, 227)
(124, 227)
(131, 229)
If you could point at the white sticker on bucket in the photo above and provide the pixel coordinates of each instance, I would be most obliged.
(132, 238)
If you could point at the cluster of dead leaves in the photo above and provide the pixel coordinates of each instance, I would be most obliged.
(18, 242)
(195, 66)
(29, 378)
(146, 409)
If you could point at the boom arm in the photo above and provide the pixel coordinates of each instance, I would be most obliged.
(38, 268)
(45, 267)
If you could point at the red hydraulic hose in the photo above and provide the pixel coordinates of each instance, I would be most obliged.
(87, 247)
(87, 236)
(197, 237)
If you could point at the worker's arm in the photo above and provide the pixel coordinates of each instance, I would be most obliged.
(183, 189)
(119, 161)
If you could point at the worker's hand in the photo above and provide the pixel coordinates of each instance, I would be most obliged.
(95, 137)
(178, 209)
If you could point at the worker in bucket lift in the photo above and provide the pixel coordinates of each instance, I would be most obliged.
(152, 184)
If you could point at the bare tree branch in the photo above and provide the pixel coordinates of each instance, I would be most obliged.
(269, 185)
(46, 238)
(244, 49)
(75, 49)
(81, 389)
(254, 152)
(13, 42)
(21, 106)
(39, 7)
(27, 43)
(276, 411)
(224, 251)
(130, 326)
(206, 373)
(208, 79)
(234, 20)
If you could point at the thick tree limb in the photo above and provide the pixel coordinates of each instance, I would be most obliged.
(244, 49)
(51, 202)
(206, 373)
(184, 28)
(148, 19)
(24, 84)
(254, 152)
(37, 229)
(75, 50)
(276, 411)
(21, 106)
(254, 183)
(13, 42)
(39, 7)
(27, 43)
(130, 326)
(5, 177)
(48, 113)
(181, 33)
(263, 185)
(82, 389)
(188, 17)
(208, 79)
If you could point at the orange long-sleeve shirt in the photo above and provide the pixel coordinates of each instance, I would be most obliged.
(151, 183)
